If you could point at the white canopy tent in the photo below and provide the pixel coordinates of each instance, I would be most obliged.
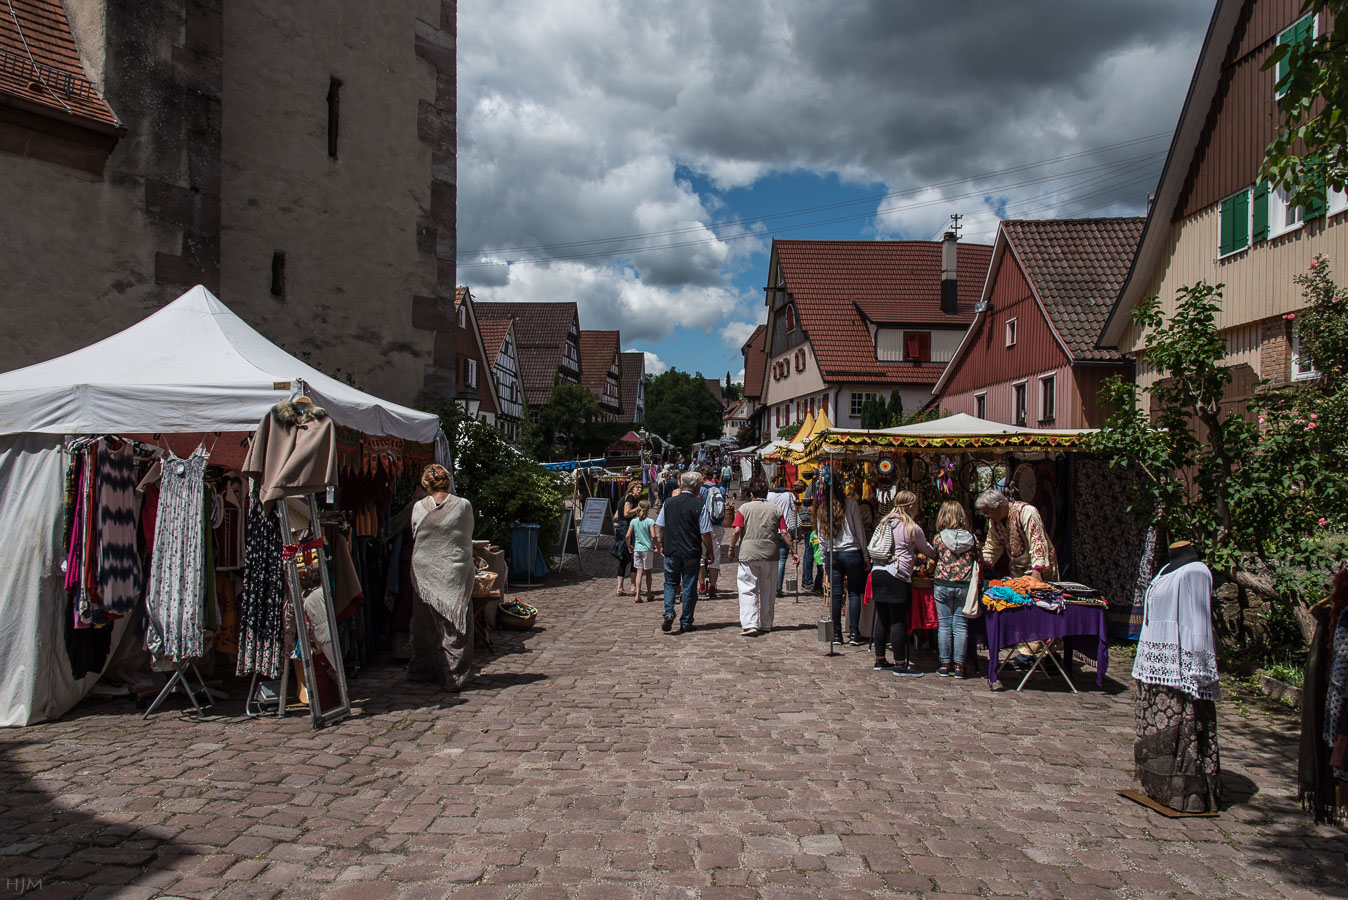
(192, 367)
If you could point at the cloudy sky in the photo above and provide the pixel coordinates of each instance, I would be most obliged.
(639, 156)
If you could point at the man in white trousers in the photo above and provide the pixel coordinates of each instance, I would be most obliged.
(759, 530)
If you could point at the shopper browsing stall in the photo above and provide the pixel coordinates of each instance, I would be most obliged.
(956, 563)
(442, 572)
(1016, 530)
(843, 542)
(759, 530)
(891, 583)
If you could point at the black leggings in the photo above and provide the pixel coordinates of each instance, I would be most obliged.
(892, 598)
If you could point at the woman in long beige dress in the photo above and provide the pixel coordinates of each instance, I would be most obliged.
(442, 573)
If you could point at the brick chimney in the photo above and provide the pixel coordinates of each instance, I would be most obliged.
(949, 297)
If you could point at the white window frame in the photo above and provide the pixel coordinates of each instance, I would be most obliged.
(857, 400)
(471, 376)
(1020, 411)
(1336, 202)
(1296, 361)
(463, 315)
(981, 405)
(1011, 332)
(1051, 381)
(1277, 214)
(1278, 69)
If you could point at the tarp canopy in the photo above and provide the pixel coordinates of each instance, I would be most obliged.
(193, 366)
(952, 434)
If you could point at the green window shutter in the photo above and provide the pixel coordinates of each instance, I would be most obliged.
(1226, 241)
(1260, 201)
(1240, 220)
(1315, 208)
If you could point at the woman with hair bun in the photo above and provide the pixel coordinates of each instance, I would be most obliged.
(442, 575)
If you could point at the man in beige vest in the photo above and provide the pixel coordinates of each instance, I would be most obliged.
(760, 529)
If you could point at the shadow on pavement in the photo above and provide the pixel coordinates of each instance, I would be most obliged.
(51, 845)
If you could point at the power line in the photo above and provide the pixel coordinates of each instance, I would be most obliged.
(822, 207)
(782, 229)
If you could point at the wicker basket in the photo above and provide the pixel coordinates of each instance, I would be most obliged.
(516, 616)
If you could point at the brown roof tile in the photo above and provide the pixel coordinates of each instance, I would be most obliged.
(597, 349)
(714, 388)
(1077, 267)
(40, 65)
(892, 282)
(494, 333)
(540, 329)
(632, 366)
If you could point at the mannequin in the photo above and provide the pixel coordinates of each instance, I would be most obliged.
(1176, 752)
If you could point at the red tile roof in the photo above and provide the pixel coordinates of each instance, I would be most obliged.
(40, 65)
(891, 282)
(755, 362)
(1077, 267)
(633, 368)
(714, 388)
(597, 350)
(494, 333)
(540, 329)
(738, 410)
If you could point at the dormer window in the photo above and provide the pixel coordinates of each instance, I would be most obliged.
(790, 318)
(917, 346)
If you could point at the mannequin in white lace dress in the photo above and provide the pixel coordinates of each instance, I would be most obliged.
(1176, 670)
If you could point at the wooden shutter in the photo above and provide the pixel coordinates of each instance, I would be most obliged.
(1226, 237)
(1260, 216)
(1240, 220)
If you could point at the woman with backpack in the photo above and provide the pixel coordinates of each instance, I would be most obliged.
(956, 562)
(891, 582)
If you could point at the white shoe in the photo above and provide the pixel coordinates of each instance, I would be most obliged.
(749, 632)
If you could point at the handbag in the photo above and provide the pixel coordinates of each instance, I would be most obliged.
(881, 545)
(973, 601)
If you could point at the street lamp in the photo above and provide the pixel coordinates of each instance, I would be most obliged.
(470, 401)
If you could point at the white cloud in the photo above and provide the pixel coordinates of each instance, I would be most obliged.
(579, 124)
(654, 364)
(738, 377)
(736, 333)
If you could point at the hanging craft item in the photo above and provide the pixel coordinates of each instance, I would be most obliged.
(1001, 477)
(945, 475)
(886, 466)
(1026, 484)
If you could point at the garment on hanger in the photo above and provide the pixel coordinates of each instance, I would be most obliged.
(176, 585)
(118, 562)
(294, 452)
(263, 601)
(1176, 751)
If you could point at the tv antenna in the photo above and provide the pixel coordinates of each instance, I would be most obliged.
(955, 226)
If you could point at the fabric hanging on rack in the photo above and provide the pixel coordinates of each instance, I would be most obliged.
(263, 602)
(174, 599)
(229, 531)
(1324, 796)
(118, 562)
(294, 452)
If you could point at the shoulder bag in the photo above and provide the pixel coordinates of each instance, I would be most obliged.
(973, 601)
(880, 548)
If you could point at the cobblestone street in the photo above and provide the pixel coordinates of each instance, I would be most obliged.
(598, 757)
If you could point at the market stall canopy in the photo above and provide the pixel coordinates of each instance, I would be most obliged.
(573, 464)
(956, 433)
(193, 366)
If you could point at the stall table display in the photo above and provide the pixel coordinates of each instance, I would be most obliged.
(1082, 628)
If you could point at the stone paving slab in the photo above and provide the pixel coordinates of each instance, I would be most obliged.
(599, 758)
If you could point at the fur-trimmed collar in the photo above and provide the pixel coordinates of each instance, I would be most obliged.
(289, 414)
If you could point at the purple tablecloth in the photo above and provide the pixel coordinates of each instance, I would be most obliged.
(1081, 627)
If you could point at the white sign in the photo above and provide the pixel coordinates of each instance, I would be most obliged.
(596, 512)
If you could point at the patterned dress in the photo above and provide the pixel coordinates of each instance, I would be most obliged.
(263, 603)
(1022, 536)
(174, 598)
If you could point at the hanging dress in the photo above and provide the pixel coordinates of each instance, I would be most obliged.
(174, 599)
(118, 560)
(263, 602)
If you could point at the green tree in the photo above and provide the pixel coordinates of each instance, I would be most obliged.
(679, 407)
(1307, 155)
(504, 484)
(1262, 501)
(570, 424)
(731, 390)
